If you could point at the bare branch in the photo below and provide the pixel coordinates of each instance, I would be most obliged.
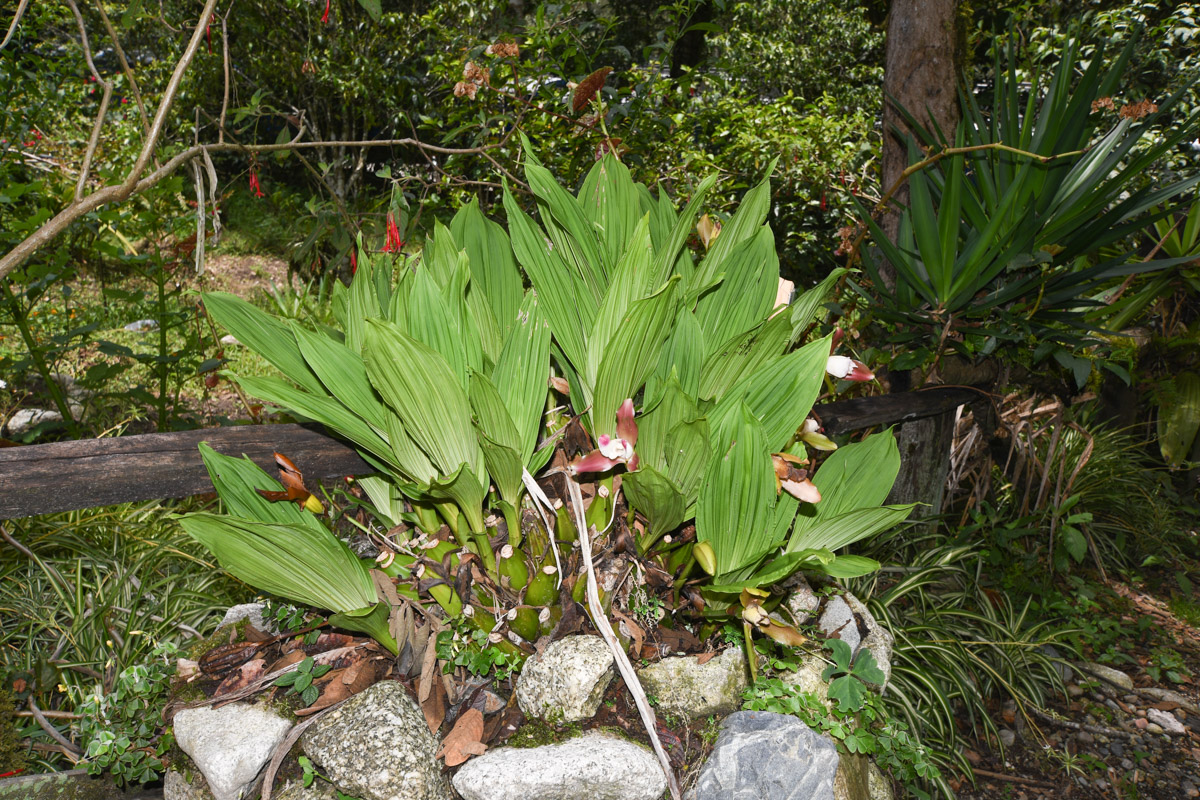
(133, 87)
(94, 139)
(12, 28)
(51, 731)
(225, 59)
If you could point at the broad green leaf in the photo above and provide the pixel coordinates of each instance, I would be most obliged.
(325, 410)
(674, 407)
(263, 334)
(654, 495)
(609, 199)
(344, 374)
(434, 323)
(418, 383)
(780, 394)
(805, 307)
(627, 285)
(293, 561)
(569, 228)
(236, 480)
(373, 7)
(565, 301)
(737, 494)
(372, 620)
(850, 566)
(857, 475)
(362, 303)
(848, 528)
(682, 357)
(523, 371)
(688, 451)
(631, 354)
(1179, 419)
(668, 254)
(493, 269)
(744, 354)
(745, 297)
(501, 443)
(745, 223)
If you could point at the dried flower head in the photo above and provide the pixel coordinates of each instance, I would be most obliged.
(846, 235)
(1105, 103)
(588, 87)
(464, 88)
(475, 73)
(503, 50)
(1138, 110)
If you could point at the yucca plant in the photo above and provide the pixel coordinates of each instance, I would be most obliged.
(1005, 221)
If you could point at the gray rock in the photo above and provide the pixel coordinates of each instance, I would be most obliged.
(230, 340)
(594, 766)
(24, 420)
(1166, 721)
(377, 747)
(251, 612)
(760, 754)
(1172, 696)
(230, 745)
(802, 603)
(878, 641)
(1060, 665)
(566, 682)
(686, 688)
(1007, 737)
(137, 326)
(1108, 677)
(837, 621)
(185, 783)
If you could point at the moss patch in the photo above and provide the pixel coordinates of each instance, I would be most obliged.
(536, 733)
(12, 754)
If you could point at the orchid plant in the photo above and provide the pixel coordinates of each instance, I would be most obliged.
(689, 374)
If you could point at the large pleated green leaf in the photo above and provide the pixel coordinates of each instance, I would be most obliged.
(682, 357)
(609, 199)
(362, 303)
(632, 353)
(291, 561)
(780, 395)
(627, 285)
(434, 323)
(674, 407)
(493, 269)
(737, 494)
(262, 333)
(668, 254)
(745, 297)
(236, 480)
(742, 355)
(344, 374)
(744, 224)
(522, 373)
(501, 443)
(569, 228)
(425, 392)
(654, 495)
(848, 528)
(568, 304)
(327, 411)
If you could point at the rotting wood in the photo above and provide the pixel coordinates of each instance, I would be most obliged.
(64, 476)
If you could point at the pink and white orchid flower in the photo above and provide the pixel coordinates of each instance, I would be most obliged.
(613, 450)
(848, 369)
(789, 478)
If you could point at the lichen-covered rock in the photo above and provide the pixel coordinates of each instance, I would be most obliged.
(879, 786)
(838, 621)
(185, 782)
(230, 745)
(252, 613)
(682, 686)
(567, 681)
(1110, 678)
(878, 641)
(761, 754)
(296, 790)
(592, 767)
(802, 602)
(807, 677)
(377, 746)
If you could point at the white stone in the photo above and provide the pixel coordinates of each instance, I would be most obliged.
(682, 686)
(878, 641)
(229, 339)
(567, 681)
(1166, 720)
(230, 745)
(879, 785)
(185, 784)
(802, 603)
(592, 767)
(252, 613)
(1172, 696)
(23, 420)
(377, 746)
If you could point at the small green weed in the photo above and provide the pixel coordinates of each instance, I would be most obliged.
(301, 680)
(309, 774)
(120, 729)
(1169, 664)
(471, 649)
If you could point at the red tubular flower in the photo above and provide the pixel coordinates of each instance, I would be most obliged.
(255, 186)
(392, 242)
(353, 261)
(325, 16)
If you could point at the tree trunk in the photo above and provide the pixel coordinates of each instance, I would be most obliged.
(920, 75)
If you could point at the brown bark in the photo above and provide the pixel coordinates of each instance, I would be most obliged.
(920, 74)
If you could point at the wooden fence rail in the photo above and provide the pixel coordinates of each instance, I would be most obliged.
(64, 476)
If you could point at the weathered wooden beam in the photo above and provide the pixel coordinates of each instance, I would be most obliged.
(64, 476)
(844, 416)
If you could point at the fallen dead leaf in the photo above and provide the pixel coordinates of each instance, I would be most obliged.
(464, 740)
(704, 658)
(434, 704)
(242, 677)
(294, 657)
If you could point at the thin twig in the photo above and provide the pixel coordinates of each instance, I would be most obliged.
(225, 60)
(98, 124)
(133, 87)
(50, 730)
(1000, 776)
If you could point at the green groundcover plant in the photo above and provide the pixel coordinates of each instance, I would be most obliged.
(683, 370)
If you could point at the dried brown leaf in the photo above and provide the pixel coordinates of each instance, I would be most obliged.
(434, 704)
(242, 677)
(464, 740)
(588, 87)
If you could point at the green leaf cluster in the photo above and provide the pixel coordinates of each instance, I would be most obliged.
(300, 680)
